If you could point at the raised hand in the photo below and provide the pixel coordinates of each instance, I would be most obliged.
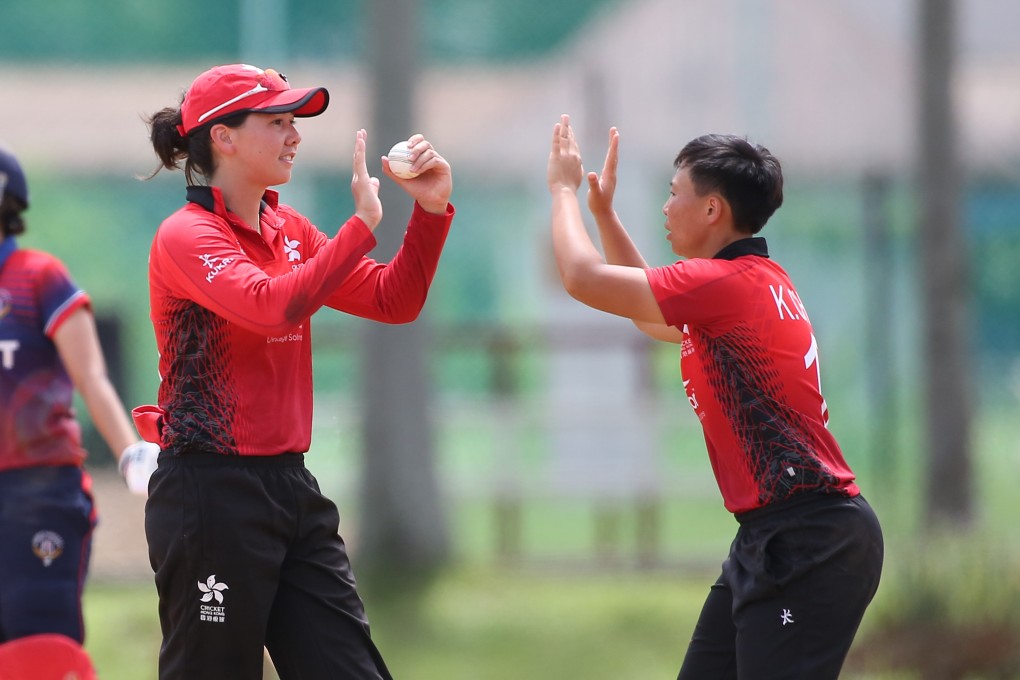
(432, 187)
(602, 188)
(365, 188)
(564, 170)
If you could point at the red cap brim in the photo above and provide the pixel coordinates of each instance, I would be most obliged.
(306, 102)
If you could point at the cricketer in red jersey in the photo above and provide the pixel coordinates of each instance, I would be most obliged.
(807, 557)
(749, 360)
(245, 548)
(233, 307)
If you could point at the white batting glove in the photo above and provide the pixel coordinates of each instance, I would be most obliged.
(137, 464)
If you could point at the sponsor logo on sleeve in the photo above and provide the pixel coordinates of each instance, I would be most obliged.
(215, 265)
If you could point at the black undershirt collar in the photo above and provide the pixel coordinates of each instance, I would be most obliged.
(752, 245)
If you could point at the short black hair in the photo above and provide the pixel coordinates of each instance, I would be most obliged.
(11, 221)
(747, 175)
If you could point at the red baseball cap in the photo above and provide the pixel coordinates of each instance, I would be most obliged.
(224, 90)
(46, 656)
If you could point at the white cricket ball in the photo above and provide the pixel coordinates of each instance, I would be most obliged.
(400, 161)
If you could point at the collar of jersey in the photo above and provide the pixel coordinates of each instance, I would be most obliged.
(754, 245)
(211, 198)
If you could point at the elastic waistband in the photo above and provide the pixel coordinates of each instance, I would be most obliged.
(207, 458)
(798, 502)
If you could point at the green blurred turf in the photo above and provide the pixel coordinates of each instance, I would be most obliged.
(473, 624)
(564, 610)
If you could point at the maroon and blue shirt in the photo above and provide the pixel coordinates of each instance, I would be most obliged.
(37, 420)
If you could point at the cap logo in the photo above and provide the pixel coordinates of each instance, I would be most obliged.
(270, 79)
(255, 90)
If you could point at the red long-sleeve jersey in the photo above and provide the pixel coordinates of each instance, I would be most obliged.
(750, 368)
(231, 311)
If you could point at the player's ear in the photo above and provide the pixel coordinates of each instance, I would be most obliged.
(713, 207)
(222, 138)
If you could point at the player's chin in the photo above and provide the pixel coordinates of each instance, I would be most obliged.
(282, 176)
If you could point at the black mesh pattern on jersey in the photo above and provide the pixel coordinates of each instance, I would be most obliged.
(202, 399)
(771, 433)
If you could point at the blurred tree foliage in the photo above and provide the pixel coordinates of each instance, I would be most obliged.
(112, 31)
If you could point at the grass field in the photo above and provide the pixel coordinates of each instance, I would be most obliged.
(475, 624)
(563, 610)
(472, 625)
(563, 616)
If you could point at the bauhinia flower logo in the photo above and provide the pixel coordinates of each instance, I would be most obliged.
(212, 589)
(290, 247)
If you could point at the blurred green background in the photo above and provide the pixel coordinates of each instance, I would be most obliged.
(568, 559)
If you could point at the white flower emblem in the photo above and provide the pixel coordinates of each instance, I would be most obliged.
(290, 247)
(212, 589)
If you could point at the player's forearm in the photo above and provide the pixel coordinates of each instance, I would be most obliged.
(396, 292)
(240, 291)
(576, 255)
(616, 242)
(108, 415)
(406, 280)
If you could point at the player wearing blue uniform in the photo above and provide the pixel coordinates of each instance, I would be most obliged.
(49, 349)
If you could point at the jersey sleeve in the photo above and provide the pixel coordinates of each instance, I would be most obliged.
(395, 292)
(207, 264)
(57, 295)
(696, 291)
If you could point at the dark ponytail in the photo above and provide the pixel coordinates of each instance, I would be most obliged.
(170, 145)
(195, 149)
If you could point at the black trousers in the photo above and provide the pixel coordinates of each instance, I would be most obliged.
(792, 593)
(247, 553)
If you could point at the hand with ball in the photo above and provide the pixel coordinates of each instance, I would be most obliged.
(425, 175)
